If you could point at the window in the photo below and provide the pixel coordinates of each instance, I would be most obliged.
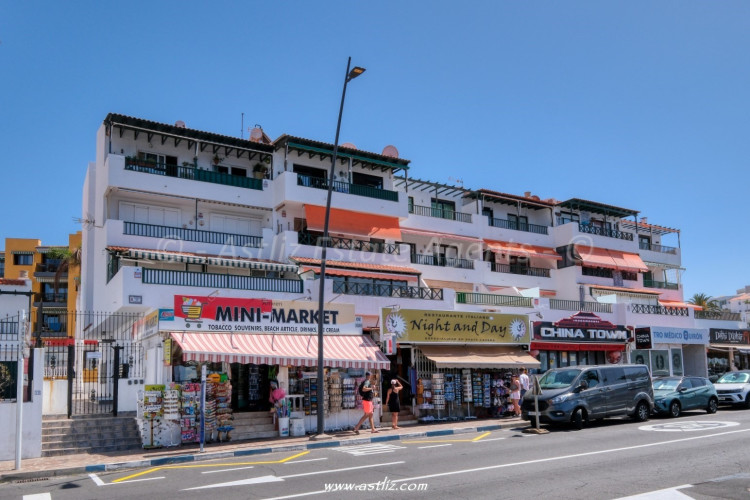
(519, 264)
(614, 376)
(2, 267)
(318, 173)
(566, 217)
(240, 172)
(372, 181)
(519, 222)
(598, 272)
(411, 204)
(222, 169)
(591, 378)
(443, 209)
(644, 242)
(487, 212)
(23, 259)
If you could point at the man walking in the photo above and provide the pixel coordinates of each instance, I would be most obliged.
(366, 391)
(524, 379)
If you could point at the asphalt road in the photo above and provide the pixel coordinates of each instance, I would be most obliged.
(695, 456)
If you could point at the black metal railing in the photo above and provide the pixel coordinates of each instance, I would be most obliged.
(538, 272)
(662, 310)
(645, 245)
(210, 280)
(602, 231)
(384, 290)
(57, 298)
(192, 173)
(577, 305)
(517, 226)
(489, 299)
(440, 213)
(198, 235)
(306, 238)
(660, 284)
(346, 187)
(718, 315)
(9, 329)
(439, 260)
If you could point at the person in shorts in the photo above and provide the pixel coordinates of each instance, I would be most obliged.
(368, 407)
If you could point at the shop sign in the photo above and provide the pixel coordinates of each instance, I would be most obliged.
(581, 327)
(387, 343)
(166, 314)
(146, 326)
(135, 299)
(167, 352)
(226, 314)
(643, 338)
(667, 335)
(727, 336)
(455, 327)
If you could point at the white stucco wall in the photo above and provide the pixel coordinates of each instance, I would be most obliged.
(31, 431)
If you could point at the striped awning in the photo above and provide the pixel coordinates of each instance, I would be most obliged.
(250, 264)
(361, 274)
(22, 252)
(166, 256)
(340, 351)
(212, 260)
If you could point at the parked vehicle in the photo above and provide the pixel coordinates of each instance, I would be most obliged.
(734, 388)
(673, 395)
(578, 394)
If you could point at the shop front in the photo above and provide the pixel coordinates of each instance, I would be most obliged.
(461, 362)
(671, 351)
(728, 350)
(581, 339)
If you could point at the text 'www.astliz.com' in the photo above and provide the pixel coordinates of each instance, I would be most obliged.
(384, 485)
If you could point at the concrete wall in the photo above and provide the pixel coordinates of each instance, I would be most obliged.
(31, 430)
(55, 397)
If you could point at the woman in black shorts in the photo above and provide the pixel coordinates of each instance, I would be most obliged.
(393, 404)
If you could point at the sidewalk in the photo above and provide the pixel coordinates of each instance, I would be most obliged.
(86, 463)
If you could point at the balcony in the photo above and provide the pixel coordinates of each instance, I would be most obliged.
(383, 290)
(646, 245)
(439, 260)
(488, 299)
(601, 231)
(517, 226)
(51, 298)
(660, 284)
(662, 310)
(179, 233)
(440, 213)
(577, 305)
(346, 187)
(306, 238)
(192, 173)
(218, 281)
(537, 272)
(718, 315)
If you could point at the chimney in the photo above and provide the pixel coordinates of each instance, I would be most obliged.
(527, 194)
(644, 220)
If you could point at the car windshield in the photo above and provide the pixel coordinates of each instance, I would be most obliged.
(556, 379)
(734, 378)
(666, 384)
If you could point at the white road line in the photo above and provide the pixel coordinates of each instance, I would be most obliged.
(433, 446)
(227, 470)
(38, 496)
(340, 470)
(308, 460)
(96, 480)
(665, 494)
(99, 482)
(308, 494)
(564, 457)
(488, 440)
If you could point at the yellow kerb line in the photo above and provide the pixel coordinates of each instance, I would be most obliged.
(154, 469)
(481, 436)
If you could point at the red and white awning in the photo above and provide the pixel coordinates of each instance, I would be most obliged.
(339, 351)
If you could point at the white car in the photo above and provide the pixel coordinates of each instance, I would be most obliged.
(734, 388)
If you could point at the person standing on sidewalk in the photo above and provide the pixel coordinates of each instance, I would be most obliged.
(525, 381)
(394, 406)
(368, 408)
(515, 395)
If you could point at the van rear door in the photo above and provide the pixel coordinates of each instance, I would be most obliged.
(616, 388)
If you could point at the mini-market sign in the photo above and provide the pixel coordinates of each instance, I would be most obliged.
(454, 327)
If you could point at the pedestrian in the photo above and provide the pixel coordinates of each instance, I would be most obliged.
(515, 395)
(524, 379)
(366, 392)
(394, 406)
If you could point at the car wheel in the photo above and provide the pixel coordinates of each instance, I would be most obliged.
(713, 405)
(642, 412)
(674, 409)
(577, 419)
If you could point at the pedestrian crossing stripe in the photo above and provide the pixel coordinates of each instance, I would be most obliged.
(369, 449)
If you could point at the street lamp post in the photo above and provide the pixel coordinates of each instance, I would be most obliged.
(350, 75)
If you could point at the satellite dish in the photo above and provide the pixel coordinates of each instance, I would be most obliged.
(390, 151)
(256, 133)
(179, 124)
(348, 145)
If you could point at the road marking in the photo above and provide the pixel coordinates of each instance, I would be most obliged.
(369, 449)
(488, 440)
(99, 482)
(308, 460)
(434, 446)
(227, 470)
(308, 494)
(154, 469)
(565, 457)
(688, 426)
(96, 480)
(665, 494)
(38, 496)
(276, 479)
(473, 440)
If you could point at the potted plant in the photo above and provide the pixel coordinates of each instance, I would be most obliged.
(217, 160)
(260, 170)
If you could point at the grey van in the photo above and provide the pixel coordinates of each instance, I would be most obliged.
(578, 394)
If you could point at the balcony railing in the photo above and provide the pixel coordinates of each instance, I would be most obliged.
(56, 298)
(179, 233)
(440, 213)
(192, 173)
(383, 290)
(645, 245)
(518, 226)
(306, 238)
(602, 231)
(718, 315)
(537, 272)
(9, 330)
(577, 305)
(439, 260)
(663, 310)
(230, 281)
(489, 299)
(346, 187)
(661, 284)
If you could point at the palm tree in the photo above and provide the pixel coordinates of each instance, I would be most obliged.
(709, 305)
(67, 260)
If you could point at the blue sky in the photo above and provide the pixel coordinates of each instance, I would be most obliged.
(638, 104)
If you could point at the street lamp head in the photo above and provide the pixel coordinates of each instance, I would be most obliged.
(354, 73)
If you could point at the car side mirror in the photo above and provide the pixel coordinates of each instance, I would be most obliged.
(583, 385)
(681, 389)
